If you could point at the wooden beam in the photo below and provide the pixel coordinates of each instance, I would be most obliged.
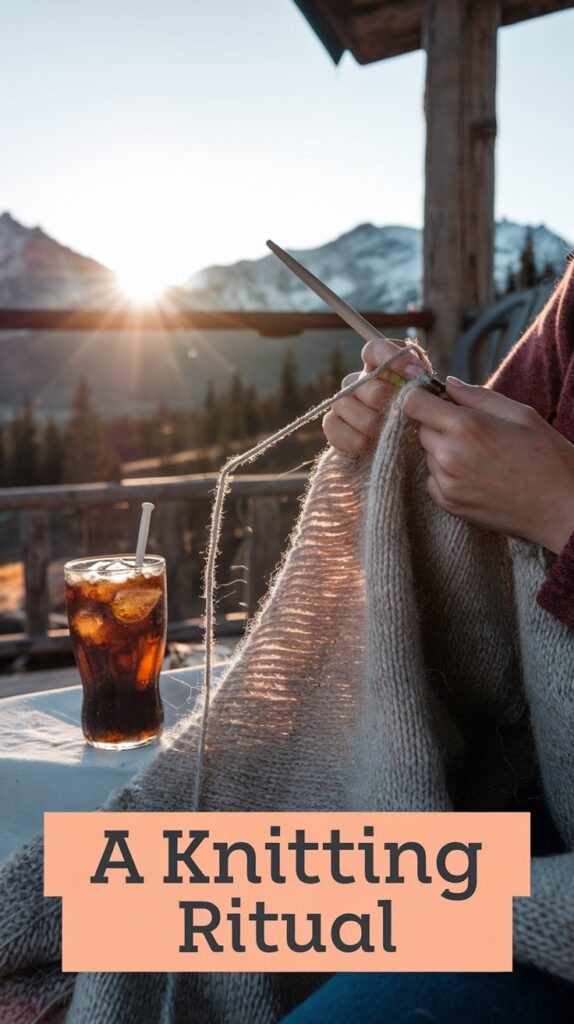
(522, 10)
(374, 30)
(57, 641)
(268, 324)
(460, 38)
(35, 530)
(378, 31)
(157, 489)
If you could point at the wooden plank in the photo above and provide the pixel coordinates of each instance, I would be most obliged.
(380, 31)
(374, 30)
(154, 489)
(35, 539)
(271, 325)
(460, 38)
(264, 547)
(21, 683)
(522, 10)
(57, 641)
(170, 527)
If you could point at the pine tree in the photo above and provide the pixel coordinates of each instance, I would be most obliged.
(232, 418)
(51, 457)
(253, 412)
(3, 464)
(511, 284)
(548, 272)
(288, 393)
(336, 370)
(210, 415)
(86, 457)
(528, 274)
(23, 447)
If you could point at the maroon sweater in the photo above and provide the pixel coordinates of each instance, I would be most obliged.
(539, 371)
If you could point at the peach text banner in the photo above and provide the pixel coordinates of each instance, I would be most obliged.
(302, 891)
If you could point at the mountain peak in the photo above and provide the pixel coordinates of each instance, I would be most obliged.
(372, 267)
(35, 270)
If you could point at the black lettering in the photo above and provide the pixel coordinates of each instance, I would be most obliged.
(117, 838)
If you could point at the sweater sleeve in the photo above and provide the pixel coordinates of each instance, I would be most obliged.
(543, 926)
(535, 372)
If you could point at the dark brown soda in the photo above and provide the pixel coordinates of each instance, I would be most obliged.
(118, 634)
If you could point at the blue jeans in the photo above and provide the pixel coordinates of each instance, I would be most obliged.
(526, 996)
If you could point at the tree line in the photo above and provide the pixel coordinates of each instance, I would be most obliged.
(527, 273)
(86, 448)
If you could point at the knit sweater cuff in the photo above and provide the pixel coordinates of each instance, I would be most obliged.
(556, 594)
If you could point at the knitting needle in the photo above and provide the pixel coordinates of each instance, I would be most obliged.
(351, 316)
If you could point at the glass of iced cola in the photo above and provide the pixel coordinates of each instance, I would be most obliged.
(117, 616)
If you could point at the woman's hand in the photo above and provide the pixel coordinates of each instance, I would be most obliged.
(496, 462)
(352, 421)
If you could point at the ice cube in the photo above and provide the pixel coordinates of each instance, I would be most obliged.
(104, 568)
(101, 566)
(89, 625)
(135, 603)
(121, 565)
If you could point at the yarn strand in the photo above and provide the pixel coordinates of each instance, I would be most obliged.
(221, 488)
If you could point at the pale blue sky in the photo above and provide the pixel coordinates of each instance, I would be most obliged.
(160, 137)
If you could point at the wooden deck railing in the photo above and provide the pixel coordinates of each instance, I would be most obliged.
(268, 324)
(262, 494)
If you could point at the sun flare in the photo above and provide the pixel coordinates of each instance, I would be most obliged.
(141, 285)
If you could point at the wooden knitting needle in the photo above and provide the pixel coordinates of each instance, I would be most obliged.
(363, 328)
(351, 316)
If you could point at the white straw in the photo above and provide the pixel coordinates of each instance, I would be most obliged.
(147, 509)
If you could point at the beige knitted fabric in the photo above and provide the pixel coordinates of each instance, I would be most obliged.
(395, 665)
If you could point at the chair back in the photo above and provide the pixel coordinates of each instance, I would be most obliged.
(482, 346)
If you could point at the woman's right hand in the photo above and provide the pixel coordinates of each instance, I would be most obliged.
(354, 420)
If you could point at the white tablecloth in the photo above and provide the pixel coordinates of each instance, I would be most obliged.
(45, 765)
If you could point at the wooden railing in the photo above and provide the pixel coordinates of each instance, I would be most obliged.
(263, 494)
(261, 549)
(268, 324)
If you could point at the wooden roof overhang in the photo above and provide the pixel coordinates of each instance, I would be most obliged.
(374, 30)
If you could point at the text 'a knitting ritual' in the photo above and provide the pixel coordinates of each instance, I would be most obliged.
(308, 861)
(277, 890)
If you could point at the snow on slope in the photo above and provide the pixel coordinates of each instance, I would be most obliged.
(35, 270)
(372, 267)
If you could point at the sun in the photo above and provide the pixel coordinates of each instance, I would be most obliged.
(141, 289)
(142, 283)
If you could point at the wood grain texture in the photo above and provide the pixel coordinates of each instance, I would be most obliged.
(460, 38)
(35, 534)
(374, 30)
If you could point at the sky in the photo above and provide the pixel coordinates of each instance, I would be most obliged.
(161, 136)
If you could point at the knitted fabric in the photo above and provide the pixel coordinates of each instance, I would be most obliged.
(400, 662)
(539, 371)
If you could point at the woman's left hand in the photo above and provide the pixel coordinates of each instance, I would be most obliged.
(496, 463)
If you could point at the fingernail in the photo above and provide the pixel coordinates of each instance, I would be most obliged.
(412, 370)
(455, 382)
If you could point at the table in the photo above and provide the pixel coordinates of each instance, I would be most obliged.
(45, 764)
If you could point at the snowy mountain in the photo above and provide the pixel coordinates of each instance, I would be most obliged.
(35, 270)
(133, 372)
(372, 267)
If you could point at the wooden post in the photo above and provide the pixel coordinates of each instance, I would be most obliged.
(460, 40)
(35, 534)
(170, 526)
(88, 522)
(264, 547)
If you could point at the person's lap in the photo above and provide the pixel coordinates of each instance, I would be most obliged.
(526, 995)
